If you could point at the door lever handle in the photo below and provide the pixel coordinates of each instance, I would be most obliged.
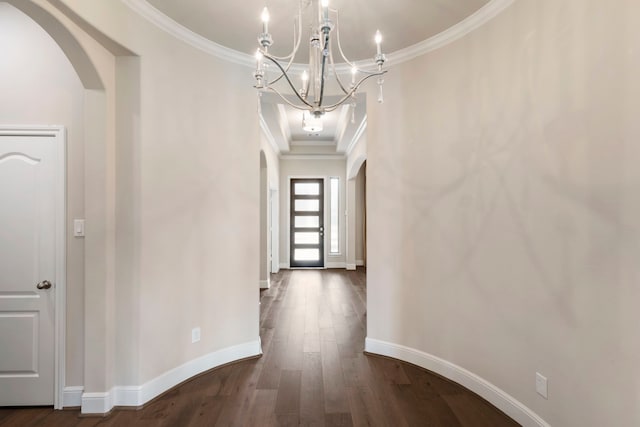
(45, 284)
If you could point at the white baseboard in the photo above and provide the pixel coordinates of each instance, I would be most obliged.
(265, 284)
(72, 397)
(284, 265)
(501, 400)
(101, 403)
(339, 264)
(360, 262)
(97, 403)
(351, 266)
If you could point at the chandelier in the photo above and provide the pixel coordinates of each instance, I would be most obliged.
(310, 96)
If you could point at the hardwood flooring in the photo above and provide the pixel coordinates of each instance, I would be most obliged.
(313, 373)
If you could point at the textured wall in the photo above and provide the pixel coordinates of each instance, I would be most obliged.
(504, 205)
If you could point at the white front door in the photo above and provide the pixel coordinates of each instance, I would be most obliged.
(27, 269)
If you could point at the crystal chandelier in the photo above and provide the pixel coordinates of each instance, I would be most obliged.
(310, 96)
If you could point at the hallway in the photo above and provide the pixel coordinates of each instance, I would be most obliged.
(313, 373)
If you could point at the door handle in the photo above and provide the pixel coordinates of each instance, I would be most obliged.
(45, 284)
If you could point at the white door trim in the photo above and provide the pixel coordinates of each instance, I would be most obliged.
(58, 133)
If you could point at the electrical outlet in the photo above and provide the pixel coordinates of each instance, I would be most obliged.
(541, 385)
(195, 335)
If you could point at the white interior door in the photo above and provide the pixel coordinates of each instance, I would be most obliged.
(27, 269)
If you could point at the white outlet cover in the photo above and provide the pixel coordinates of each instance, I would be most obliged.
(541, 385)
(195, 335)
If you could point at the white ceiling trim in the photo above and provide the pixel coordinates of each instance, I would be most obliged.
(461, 29)
(464, 27)
(357, 136)
(313, 143)
(267, 134)
(312, 157)
(343, 122)
(162, 21)
(284, 123)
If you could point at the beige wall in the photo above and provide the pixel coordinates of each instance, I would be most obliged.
(504, 204)
(198, 238)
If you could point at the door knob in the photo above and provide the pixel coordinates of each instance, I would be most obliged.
(45, 284)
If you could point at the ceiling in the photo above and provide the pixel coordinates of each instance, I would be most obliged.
(236, 25)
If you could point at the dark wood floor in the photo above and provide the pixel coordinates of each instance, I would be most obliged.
(313, 373)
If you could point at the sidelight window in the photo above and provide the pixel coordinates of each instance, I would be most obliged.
(334, 209)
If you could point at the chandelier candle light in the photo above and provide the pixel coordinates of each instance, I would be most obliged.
(311, 94)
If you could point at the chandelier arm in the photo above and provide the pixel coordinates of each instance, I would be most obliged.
(335, 73)
(286, 76)
(297, 107)
(286, 69)
(344, 58)
(352, 91)
(297, 38)
(296, 42)
(353, 65)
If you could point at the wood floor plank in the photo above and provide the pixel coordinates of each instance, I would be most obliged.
(335, 392)
(271, 370)
(472, 411)
(311, 342)
(338, 420)
(311, 391)
(288, 400)
(262, 412)
(365, 407)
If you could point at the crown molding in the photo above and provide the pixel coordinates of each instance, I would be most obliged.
(311, 156)
(164, 22)
(284, 123)
(267, 134)
(483, 15)
(461, 29)
(356, 137)
(313, 143)
(343, 122)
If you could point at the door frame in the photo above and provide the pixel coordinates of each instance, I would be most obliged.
(59, 135)
(324, 179)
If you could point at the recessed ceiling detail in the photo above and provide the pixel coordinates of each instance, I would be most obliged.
(411, 28)
(282, 125)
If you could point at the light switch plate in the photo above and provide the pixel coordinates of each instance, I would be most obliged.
(78, 227)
